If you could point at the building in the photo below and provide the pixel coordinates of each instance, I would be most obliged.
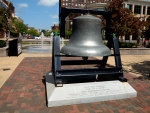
(3, 3)
(80, 3)
(7, 5)
(55, 27)
(19, 19)
(140, 8)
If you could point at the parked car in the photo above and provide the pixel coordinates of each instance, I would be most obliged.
(29, 37)
(37, 38)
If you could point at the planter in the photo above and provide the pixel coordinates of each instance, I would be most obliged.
(134, 51)
(4, 52)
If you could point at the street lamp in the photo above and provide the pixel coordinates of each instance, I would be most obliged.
(7, 29)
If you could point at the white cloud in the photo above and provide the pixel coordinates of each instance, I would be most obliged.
(55, 22)
(16, 14)
(54, 16)
(23, 5)
(48, 3)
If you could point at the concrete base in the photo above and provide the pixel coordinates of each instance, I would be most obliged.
(4, 52)
(86, 92)
(134, 51)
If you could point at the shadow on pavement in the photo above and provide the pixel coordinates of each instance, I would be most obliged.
(142, 68)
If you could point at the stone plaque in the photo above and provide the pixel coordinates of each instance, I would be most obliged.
(88, 92)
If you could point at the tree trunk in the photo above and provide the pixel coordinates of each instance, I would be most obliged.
(121, 38)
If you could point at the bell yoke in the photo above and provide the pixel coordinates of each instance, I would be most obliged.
(85, 41)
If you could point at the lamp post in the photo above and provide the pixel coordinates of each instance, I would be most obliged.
(7, 29)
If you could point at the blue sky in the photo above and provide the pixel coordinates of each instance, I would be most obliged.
(40, 14)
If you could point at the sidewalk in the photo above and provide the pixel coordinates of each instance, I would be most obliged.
(23, 90)
(135, 64)
(12, 63)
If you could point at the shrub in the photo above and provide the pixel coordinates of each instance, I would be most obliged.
(129, 45)
(125, 45)
(2, 43)
(25, 43)
(148, 46)
(105, 43)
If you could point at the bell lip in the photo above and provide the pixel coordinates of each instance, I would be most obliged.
(86, 55)
(76, 52)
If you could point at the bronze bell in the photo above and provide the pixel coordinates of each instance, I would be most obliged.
(86, 39)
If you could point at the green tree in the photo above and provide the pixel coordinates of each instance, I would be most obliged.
(33, 31)
(17, 26)
(47, 33)
(146, 33)
(4, 16)
(56, 31)
(44, 31)
(123, 21)
(68, 33)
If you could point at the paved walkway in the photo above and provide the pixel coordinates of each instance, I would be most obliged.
(11, 64)
(23, 86)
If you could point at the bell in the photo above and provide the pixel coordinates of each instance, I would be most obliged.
(86, 39)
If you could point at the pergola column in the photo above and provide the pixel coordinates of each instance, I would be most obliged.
(133, 8)
(125, 5)
(142, 10)
(145, 10)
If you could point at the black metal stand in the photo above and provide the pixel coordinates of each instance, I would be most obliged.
(63, 75)
(14, 47)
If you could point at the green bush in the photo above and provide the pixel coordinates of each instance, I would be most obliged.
(105, 43)
(129, 45)
(25, 43)
(2, 43)
(125, 45)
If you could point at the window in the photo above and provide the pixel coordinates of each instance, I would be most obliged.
(129, 6)
(80, 0)
(148, 10)
(127, 37)
(137, 9)
(143, 9)
(100, 9)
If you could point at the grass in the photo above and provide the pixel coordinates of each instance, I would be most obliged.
(34, 43)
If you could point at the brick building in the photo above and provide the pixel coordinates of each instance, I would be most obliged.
(140, 8)
(80, 3)
(7, 5)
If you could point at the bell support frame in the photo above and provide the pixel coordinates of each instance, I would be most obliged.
(63, 75)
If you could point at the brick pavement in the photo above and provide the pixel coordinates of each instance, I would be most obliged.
(24, 92)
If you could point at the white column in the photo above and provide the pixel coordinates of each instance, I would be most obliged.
(142, 10)
(133, 8)
(62, 41)
(123, 37)
(125, 5)
(130, 37)
(145, 10)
